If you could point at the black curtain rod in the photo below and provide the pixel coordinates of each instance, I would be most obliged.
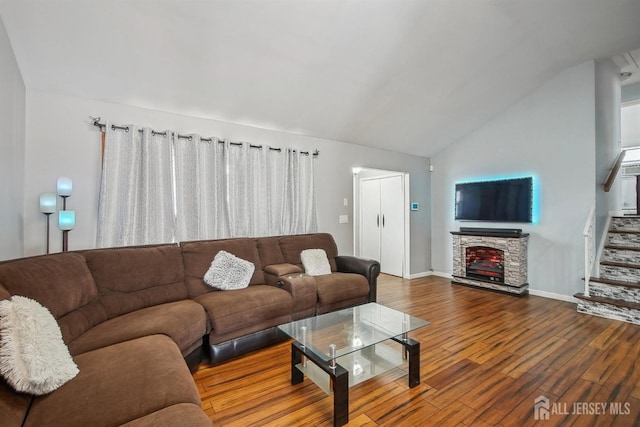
(103, 126)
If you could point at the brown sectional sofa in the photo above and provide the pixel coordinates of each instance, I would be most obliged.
(132, 316)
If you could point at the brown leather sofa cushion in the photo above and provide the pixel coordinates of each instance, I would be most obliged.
(62, 283)
(118, 384)
(133, 278)
(336, 287)
(198, 255)
(282, 269)
(184, 321)
(269, 250)
(234, 310)
(182, 414)
(13, 405)
(292, 246)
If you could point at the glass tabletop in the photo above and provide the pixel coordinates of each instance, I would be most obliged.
(351, 329)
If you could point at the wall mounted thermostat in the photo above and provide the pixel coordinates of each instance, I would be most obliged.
(414, 206)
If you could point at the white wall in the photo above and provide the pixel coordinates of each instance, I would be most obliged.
(62, 141)
(607, 122)
(12, 117)
(630, 123)
(630, 93)
(549, 134)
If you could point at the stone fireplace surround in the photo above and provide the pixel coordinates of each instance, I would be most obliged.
(512, 242)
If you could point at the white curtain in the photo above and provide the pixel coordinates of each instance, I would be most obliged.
(200, 192)
(136, 195)
(236, 190)
(162, 188)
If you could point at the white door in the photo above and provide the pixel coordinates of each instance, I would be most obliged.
(392, 237)
(370, 219)
(382, 222)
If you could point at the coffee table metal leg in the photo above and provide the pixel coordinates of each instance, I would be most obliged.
(339, 380)
(412, 347)
(296, 357)
(341, 398)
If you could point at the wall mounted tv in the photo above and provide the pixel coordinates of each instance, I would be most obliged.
(505, 200)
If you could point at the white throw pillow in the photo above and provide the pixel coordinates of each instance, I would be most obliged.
(227, 272)
(315, 262)
(33, 357)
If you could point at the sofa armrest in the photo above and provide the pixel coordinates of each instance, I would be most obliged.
(367, 267)
(302, 288)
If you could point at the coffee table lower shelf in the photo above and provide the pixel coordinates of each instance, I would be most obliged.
(338, 377)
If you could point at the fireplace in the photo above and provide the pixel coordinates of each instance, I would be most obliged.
(483, 262)
(491, 258)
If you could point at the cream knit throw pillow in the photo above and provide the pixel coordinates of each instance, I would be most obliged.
(228, 272)
(315, 262)
(33, 357)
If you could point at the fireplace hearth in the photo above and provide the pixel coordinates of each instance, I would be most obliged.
(491, 259)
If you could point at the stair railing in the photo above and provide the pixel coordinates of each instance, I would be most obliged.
(613, 172)
(589, 248)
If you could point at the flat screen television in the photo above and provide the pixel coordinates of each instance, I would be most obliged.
(505, 200)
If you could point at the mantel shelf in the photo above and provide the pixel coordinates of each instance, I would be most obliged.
(514, 233)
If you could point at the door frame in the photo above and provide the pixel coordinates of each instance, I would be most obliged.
(362, 173)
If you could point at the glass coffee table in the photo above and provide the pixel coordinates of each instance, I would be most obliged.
(349, 346)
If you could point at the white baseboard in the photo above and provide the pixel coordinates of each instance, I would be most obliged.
(427, 274)
(552, 295)
(441, 274)
(418, 275)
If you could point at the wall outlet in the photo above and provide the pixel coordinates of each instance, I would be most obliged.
(346, 201)
(343, 219)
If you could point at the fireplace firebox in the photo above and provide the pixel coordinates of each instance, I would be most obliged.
(483, 262)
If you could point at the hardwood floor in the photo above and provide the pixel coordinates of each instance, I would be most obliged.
(485, 358)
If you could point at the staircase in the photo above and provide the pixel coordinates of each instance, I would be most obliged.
(615, 294)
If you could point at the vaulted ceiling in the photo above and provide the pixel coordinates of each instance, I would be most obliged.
(405, 75)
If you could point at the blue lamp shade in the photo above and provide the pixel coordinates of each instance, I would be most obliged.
(66, 220)
(47, 203)
(64, 187)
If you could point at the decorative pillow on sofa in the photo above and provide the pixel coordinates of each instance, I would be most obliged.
(227, 272)
(315, 262)
(33, 357)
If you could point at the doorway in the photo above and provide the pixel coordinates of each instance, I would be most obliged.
(381, 216)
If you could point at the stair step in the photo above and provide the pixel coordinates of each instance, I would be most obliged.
(621, 264)
(620, 271)
(623, 248)
(623, 238)
(612, 282)
(615, 289)
(627, 223)
(621, 231)
(621, 254)
(609, 308)
(610, 301)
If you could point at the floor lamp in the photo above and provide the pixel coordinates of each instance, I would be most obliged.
(47, 207)
(66, 218)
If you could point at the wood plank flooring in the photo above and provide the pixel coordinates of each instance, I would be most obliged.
(485, 358)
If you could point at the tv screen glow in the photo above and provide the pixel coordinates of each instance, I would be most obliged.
(506, 200)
